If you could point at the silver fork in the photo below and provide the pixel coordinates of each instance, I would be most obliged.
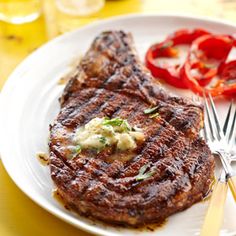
(220, 145)
(229, 133)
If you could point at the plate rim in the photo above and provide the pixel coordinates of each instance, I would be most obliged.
(51, 209)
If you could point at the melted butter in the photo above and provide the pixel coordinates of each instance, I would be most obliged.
(102, 132)
(43, 158)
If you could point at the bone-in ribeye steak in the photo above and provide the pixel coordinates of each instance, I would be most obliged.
(110, 81)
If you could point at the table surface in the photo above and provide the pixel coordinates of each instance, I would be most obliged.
(19, 216)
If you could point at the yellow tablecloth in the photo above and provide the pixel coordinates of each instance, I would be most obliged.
(19, 216)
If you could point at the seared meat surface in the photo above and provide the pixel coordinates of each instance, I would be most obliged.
(112, 82)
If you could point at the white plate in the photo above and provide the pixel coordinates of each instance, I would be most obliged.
(29, 103)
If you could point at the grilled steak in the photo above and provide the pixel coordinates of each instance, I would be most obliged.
(112, 82)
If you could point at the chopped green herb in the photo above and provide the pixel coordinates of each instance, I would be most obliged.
(142, 175)
(74, 151)
(106, 118)
(113, 122)
(167, 44)
(126, 125)
(150, 110)
(143, 169)
(154, 115)
(77, 149)
(102, 140)
(117, 122)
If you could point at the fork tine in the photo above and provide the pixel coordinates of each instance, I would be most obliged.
(216, 118)
(195, 98)
(232, 128)
(209, 117)
(205, 133)
(225, 127)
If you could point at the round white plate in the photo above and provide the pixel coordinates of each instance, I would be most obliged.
(29, 103)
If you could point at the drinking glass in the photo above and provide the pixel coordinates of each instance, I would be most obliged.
(79, 7)
(71, 14)
(19, 11)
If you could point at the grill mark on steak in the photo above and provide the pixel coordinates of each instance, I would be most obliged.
(113, 106)
(72, 109)
(165, 175)
(84, 97)
(108, 193)
(99, 109)
(143, 92)
(111, 81)
(116, 64)
(87, 109)
(152, 139)
(163, 180)
(154, 134)
(177, 122)
(127, 111)
(152, 148)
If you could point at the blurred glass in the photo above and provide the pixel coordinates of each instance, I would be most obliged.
(79, 7)
(19, 11)
(70, 14)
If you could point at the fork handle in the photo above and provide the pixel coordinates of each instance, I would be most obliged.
(225, 157)
(232, 185)
(214, 216)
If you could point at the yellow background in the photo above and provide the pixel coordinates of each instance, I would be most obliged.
(19, 216)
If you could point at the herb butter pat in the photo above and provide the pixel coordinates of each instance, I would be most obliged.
(103, 132)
